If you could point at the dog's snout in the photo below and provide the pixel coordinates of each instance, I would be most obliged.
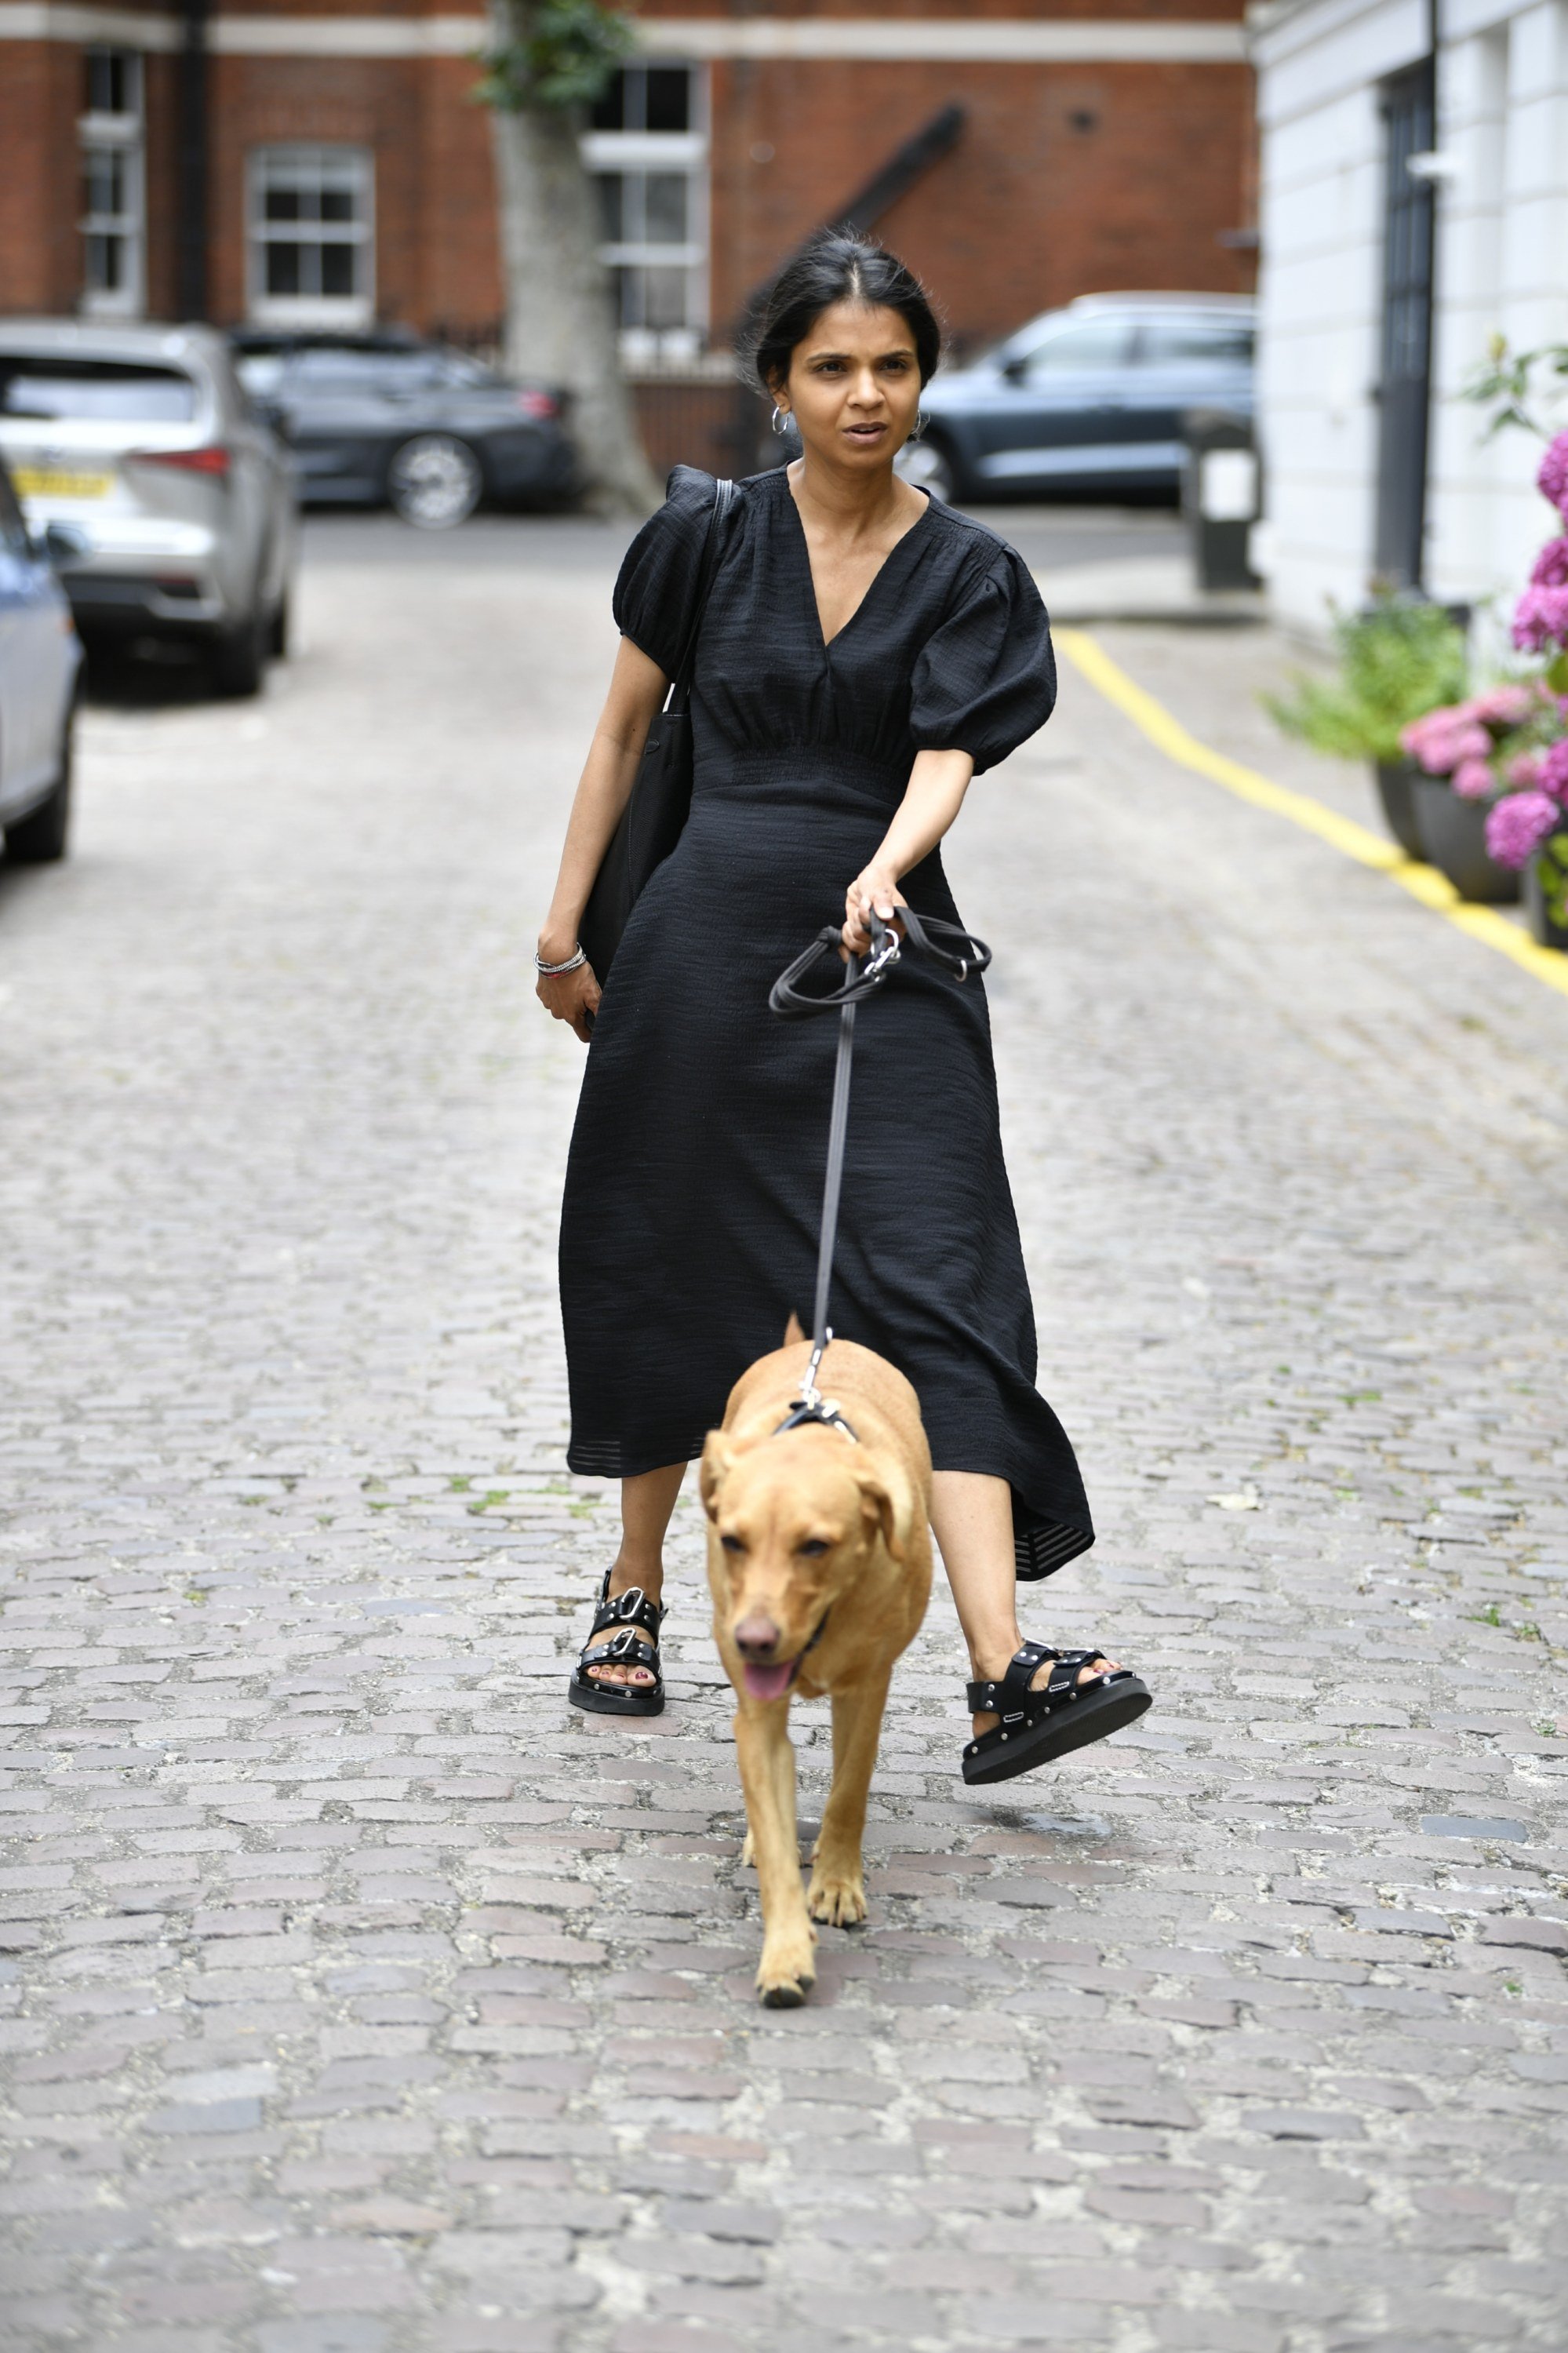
(756, 1637)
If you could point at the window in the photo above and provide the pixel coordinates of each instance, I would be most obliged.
(1094, 343)
(312, 259)
(113, 199)
(647, 150)
(102, 391)
(1195, 343)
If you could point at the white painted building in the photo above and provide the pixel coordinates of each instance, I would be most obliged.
(1344, 98)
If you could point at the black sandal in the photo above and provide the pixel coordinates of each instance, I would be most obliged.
(628, 1610)
(1037, 1727)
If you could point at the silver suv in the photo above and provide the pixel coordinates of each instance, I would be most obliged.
(177, 498)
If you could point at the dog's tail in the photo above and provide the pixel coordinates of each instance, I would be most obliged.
(793, 1331)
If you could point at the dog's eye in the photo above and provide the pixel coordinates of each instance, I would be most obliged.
(813, 1547)
(733, 1544)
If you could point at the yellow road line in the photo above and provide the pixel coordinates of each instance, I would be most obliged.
(1343, 833)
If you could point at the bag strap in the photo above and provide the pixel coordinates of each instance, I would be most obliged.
(680, 692)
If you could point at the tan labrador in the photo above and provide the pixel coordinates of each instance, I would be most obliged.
(819, 1561)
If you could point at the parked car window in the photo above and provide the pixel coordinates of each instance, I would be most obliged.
(345, 370)
(1088, 343)
(1186, 343)
(13, 528)
(260, 372)
(456, 367)
(111, 391)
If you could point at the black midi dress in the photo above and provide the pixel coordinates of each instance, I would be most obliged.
(693, 1191)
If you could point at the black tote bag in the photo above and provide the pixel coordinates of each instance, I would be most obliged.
(661, 793)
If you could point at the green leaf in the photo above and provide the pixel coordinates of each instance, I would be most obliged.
(565, 56)
(1397, 663)
(1506, 387)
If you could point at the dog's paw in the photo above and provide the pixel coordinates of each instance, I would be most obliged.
(787, 1971)
(839, 1898)
(749, 1853)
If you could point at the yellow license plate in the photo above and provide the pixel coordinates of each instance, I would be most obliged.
(61, 482)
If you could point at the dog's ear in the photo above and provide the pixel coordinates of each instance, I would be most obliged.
(791, 1330)
(717, 1459)
(889, 1494)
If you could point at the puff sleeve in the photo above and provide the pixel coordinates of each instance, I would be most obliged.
(656, 591)
(987, 679)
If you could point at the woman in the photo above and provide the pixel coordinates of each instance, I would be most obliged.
(863, 653)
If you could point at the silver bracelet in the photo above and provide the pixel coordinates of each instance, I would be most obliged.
(570, 965)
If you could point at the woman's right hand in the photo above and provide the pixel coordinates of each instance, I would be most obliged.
(571, 997)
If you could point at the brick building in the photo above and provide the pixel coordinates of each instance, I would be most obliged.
(286, 161)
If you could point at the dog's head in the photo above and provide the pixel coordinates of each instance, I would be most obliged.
(794, 1520)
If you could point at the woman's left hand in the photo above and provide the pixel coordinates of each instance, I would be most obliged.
(875, 889)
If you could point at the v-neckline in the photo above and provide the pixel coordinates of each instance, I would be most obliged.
(824, 640)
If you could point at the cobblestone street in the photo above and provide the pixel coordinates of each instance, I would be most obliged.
(361, 1997)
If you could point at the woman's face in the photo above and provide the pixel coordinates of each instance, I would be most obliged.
(854, 385)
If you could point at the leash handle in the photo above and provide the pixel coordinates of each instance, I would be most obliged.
(928, 933)
(972, 956)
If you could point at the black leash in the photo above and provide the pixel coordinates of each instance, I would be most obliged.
(860, 981)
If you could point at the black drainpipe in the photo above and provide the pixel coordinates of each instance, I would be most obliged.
(191, 174)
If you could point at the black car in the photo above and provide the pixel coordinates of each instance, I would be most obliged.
(1089, 398)
(388, 420)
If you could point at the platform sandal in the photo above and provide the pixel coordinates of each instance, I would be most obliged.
(1037, 1727)
(627, 1612)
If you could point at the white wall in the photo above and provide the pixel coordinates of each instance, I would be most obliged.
(1501, 265)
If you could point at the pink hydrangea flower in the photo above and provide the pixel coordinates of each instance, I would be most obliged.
(1552, 771)
(1551, 482)
(1504, 706)
(1541, 620)
(1523, 769)
(1551, 566)
(1441, 739)
(1472, 780)
(1518, 826)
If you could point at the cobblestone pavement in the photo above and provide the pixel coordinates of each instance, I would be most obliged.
(361, 1998)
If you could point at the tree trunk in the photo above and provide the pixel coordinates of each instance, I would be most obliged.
(559, 326)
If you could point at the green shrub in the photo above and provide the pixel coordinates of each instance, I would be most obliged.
(1395, 662)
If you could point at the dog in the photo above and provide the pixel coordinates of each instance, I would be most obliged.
(820, 1562)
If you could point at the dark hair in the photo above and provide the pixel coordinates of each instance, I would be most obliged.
(838, 267)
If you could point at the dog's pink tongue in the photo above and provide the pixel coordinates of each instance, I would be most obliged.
(768, 1682)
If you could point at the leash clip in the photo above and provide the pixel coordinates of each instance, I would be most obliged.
(811, 1405)
(886, 949)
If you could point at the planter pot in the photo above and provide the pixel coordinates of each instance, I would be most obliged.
(1454, 839)
(1395, 778)
(1541, 927)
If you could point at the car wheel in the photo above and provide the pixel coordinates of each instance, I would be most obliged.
(40, 837)
(239, 656)
(929, 466)
(278, 628)
(435, 481)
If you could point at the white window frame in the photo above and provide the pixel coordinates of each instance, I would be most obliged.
(265, 309)
(122, 135)
(683, 152)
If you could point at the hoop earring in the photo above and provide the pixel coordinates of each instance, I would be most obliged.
(921, 421)
(782, 419)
